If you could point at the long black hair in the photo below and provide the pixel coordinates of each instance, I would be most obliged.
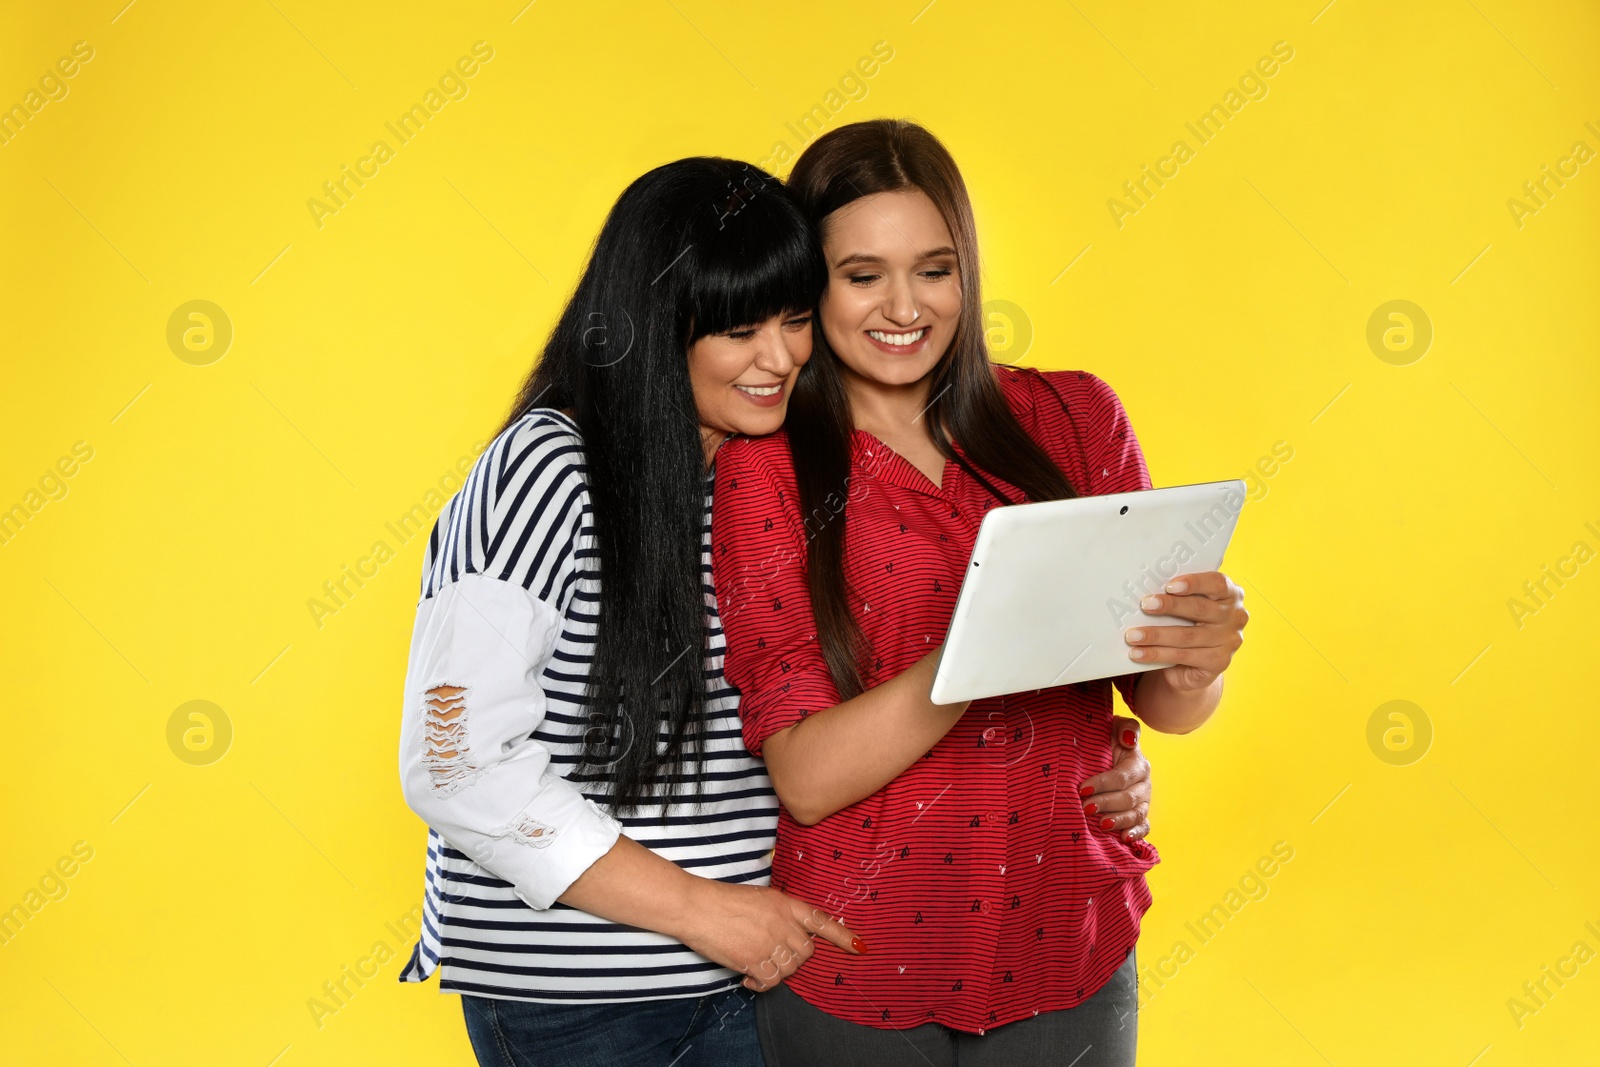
(692, 248)
(967, 406)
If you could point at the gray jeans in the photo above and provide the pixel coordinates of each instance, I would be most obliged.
(1100, 1032)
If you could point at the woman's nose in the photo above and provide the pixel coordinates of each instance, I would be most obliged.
(772, 353)
(899, 306)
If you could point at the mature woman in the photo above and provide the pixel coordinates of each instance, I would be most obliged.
(599, 836)
(1002, 911)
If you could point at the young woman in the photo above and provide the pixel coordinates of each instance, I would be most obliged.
(599, 836)
(1001, 907)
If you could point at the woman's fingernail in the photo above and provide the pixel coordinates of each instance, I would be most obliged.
(1090, 809)
(1106, 824)
(1136, 653)
(1086, 790)
(1128, 738)
(1135, 635)
(1177, 587)
(859, 945)
(1150, 603)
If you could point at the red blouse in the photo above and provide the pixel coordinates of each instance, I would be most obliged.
(979, 885)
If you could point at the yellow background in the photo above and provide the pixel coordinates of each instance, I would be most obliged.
(369, 354)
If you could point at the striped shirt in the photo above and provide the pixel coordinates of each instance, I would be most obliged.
(495, 712)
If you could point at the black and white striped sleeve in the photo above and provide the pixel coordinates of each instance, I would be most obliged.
(501, 570)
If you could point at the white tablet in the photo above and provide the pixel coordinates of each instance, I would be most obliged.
(1052, 586)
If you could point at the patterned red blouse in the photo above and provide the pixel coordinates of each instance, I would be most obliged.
(983, 893)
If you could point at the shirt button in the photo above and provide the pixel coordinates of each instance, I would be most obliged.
(996, 818)
(990, 734)
(986, 906)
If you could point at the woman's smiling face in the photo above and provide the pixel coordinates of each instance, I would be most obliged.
(742, 378)
(894, 286)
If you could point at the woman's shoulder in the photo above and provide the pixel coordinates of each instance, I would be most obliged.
(767, 456)
(1051, 396)
(1077, 418)
(543, 426)
(519, 508)
(540, 442)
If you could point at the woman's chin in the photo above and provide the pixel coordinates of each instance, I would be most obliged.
(906, 370)
(759, 426)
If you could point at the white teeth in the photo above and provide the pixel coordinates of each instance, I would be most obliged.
(897, 338)
(760, 390)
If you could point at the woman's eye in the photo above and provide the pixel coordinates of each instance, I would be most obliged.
(740, 335)
(938, 272)
(862, 279)
(800, 323)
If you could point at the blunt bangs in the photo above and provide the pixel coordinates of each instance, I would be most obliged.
(753, 263)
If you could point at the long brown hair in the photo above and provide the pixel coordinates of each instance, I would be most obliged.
(843, 165)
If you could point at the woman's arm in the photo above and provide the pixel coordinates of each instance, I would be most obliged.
(1180, 698)
(471, 769)
(756, 930)
(835, 757)
(822, 753)
(469, 763)
(1175, 711)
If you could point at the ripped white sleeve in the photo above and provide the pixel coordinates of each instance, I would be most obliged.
(467, 764)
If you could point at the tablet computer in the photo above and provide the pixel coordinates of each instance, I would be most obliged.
(1052, 586)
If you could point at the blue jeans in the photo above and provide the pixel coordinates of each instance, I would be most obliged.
(712, 1031)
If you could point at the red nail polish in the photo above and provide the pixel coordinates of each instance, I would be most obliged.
(1106, 824)
(1090, 809)
(1129, 738)
(859, 945)
(1085, 791)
